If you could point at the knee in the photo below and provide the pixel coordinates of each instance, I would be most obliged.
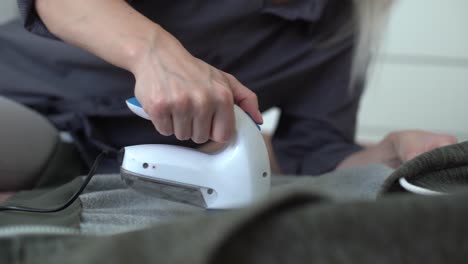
(27, 141)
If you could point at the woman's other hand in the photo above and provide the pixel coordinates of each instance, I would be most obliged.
(397, 148)
(403, 146)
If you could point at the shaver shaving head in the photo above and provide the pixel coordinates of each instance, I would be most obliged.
(172, 191)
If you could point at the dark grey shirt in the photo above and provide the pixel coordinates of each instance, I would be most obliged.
(274, 48)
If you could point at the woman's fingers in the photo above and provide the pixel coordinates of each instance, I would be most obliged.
(202, 121)
(190, 99)
(182, 127)
(222, 127)
(160, 114)
(182, 116)
(245, 98)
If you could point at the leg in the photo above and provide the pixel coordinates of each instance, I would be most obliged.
(27, 141)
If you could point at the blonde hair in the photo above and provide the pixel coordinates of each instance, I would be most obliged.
(369, 17)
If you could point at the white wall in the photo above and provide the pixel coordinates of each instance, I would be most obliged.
(421, 76)
(420, 79)
(8, 10)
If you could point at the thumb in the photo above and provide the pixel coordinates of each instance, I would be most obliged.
(245, 99)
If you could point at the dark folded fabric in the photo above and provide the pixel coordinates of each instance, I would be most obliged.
(442, 169)
(292, 228)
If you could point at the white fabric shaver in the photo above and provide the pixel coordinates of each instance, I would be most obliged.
(236, 176)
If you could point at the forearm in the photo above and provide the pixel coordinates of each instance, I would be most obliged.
(110, 29)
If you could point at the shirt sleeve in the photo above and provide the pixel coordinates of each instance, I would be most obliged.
(31, 20)
(317, 127)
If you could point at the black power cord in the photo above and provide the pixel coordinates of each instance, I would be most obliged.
(74, 196)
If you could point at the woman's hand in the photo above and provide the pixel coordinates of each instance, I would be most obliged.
(405, 145)
(397, 148)
(187, 97)
(182, 94)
